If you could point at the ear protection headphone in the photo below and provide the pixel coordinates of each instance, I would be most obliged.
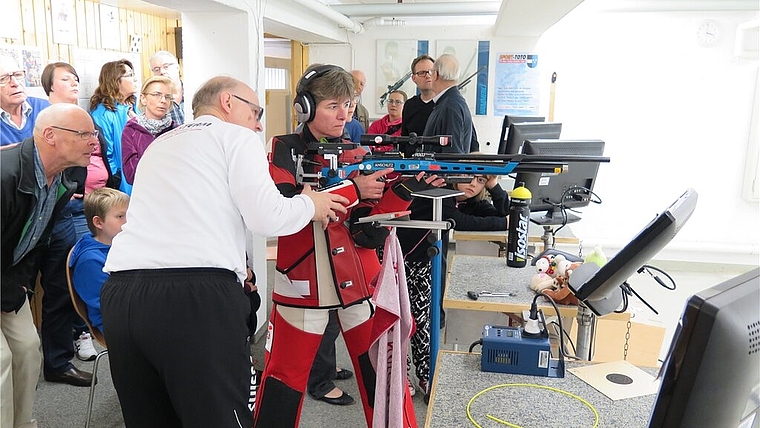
(304, 103)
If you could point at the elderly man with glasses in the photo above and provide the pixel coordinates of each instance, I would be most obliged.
(18, 112)
(35, 187)
(164, 63)
(451, 115)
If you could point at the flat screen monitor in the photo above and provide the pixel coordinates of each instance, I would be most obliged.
(711, 376)
(554, 194)
(599, 288)
(507, 122)
(519, 132)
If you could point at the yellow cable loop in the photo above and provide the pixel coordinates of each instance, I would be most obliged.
(529, 385)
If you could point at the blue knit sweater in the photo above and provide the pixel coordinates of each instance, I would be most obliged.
(9, 134)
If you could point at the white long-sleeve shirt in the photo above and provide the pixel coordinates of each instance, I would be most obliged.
(196, 191)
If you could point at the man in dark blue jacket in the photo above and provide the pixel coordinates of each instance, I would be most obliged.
(34, 189)
(451, 115)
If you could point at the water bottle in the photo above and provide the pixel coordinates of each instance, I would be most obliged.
(519, 220)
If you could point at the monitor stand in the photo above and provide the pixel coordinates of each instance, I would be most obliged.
(547, 219)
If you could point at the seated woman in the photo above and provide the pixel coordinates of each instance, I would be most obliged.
(389, 124)
(470, 211)
(155, 103)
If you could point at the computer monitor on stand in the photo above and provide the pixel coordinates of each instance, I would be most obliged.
(519, 132)
(554, 195)
(711, 376)
(507, 122)
(600, 289)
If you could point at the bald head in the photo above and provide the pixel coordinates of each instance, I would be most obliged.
(60, 114)
(207, 97)
(64, 136)
(230, 100)
(360, 79)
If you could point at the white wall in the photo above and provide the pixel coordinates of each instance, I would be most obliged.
(674, 115)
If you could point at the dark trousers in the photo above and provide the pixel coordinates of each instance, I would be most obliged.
(59, 320)
(178, 347)
(324, 367)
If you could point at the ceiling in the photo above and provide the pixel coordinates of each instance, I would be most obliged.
(501, 13)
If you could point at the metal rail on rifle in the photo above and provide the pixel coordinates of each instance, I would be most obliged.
(444, 164)
(394, 87)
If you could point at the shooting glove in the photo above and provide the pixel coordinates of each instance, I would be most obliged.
(365, 234)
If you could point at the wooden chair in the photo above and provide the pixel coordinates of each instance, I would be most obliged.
(81, 309)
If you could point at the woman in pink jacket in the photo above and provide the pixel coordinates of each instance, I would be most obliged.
(140, 131)
(390, 123)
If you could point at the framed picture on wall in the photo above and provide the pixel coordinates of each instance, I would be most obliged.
(63, 20)
(394, 57)
(109, 27)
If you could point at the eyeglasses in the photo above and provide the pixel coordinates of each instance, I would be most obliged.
(158, 95)
(424, 73)
(6, 78)
(85, 135)
(164, 66)
(132, 75)
(257, 111)
(397, 102)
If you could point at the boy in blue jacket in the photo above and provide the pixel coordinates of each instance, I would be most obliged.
(106, 212)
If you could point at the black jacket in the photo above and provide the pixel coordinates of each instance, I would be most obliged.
(17, 187)
(467, 215)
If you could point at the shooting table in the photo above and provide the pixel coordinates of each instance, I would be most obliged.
(465, 317)
(459, 378)
(495, 243)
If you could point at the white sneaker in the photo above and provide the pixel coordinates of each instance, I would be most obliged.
(84, 349)
(410, 385)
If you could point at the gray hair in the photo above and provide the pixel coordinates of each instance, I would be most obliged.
(208, 94)
(447, 67)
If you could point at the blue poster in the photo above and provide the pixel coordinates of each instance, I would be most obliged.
(517, 85)
(481, 97)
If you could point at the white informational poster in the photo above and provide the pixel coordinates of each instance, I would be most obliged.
(63, 21)
(88, 62)
(109, 27)
(517, 84)
(394, 59)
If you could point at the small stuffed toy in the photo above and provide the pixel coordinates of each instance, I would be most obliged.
(597, 256)
(541, 281)
(560, 292)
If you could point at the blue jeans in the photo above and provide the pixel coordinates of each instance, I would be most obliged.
(60, 323)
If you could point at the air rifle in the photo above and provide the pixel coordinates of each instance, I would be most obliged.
(394, 87)
(448, 164)
(466, 81)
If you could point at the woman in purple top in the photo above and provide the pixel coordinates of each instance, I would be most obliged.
(155, 104)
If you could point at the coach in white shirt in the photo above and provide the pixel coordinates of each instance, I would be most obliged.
(174, 309)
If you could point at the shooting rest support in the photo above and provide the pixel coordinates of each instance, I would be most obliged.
(437, 224)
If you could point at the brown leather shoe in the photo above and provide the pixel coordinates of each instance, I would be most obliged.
(72, 376)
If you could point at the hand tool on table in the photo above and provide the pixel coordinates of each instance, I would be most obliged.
(475, 294)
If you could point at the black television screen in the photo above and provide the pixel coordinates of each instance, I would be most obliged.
(599, 288)
(553, 194)
(519, 132)
(711, 376)
(507, 122)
